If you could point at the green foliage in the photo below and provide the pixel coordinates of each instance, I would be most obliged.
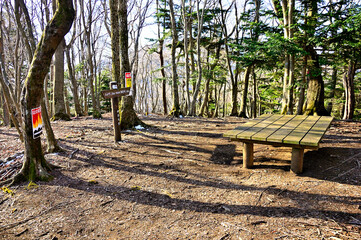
(105, 79)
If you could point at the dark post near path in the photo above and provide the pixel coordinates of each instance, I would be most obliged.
(114, 93)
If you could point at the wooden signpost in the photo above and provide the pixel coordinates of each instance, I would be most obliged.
(114, 94)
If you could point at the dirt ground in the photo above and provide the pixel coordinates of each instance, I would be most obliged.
(183, 180)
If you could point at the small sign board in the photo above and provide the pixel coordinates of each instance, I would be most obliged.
(37, 122)
(128, 79)
(115, 93)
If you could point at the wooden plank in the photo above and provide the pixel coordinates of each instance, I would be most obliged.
(264, 134)
(113, 93)
(233, 133)
(313, 137)
(285, 130)
(301, 130)
(258, 127)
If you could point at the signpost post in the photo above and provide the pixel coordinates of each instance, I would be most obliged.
(114, 93)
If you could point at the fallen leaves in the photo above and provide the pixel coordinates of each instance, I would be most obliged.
(8, 191)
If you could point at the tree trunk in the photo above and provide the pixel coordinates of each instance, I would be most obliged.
(58, 100)
(186, 50)
(234, 82)
(5, 108)
(128, 117)
(284, 13)
(301, 98)
(164, 81)
(52, 144)
(243, 111)
(200, 17)
(114, 25)
(78, 110)
(87, 34)
(254, 95)
(58, 97)
(161, 58)
(176, 107)
(35, 167)
(315, 91)
(348, 83)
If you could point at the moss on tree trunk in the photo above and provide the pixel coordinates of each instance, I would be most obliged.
(315, 101)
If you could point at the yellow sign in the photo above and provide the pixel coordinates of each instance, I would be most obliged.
(128, 79)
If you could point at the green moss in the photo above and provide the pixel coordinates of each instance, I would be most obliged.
(97, 114)
(175, 112)
(61, 116)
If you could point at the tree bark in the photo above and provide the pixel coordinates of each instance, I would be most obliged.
(286, 19)
(78, 110)
(315, 91)
(200, 17)
(186, 50)
(301, 98)
(243, 111)
(348, 83)
(128, 117)
(114, 37)
(58, 97)
(176, 107)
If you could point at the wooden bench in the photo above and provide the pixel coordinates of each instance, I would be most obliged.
(297, 131)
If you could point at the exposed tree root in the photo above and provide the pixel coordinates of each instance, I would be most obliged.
(54, 149)
(61, 116)
(42, 174)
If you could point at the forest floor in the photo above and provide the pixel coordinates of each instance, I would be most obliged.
(183, 180)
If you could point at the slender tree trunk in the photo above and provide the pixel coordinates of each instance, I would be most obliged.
(234, 83)
(333, 83)
(186, 50)
(254, 102)
(52, 144)
(176, 107)
(78, 110)
(243, 111)
(58, 97)
(301, 98)
(161, 58)
(58, 100)
(164, 80)
(348, 83)
(200, 17)
(114, 37)
(5, 108)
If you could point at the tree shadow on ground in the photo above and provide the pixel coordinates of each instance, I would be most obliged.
(152, 170)
(333, 164)
(225, 154)
(152, 198)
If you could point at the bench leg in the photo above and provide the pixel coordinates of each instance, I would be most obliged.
(297, 160)
(247, 155)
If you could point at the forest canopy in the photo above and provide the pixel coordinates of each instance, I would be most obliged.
(197, 58)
